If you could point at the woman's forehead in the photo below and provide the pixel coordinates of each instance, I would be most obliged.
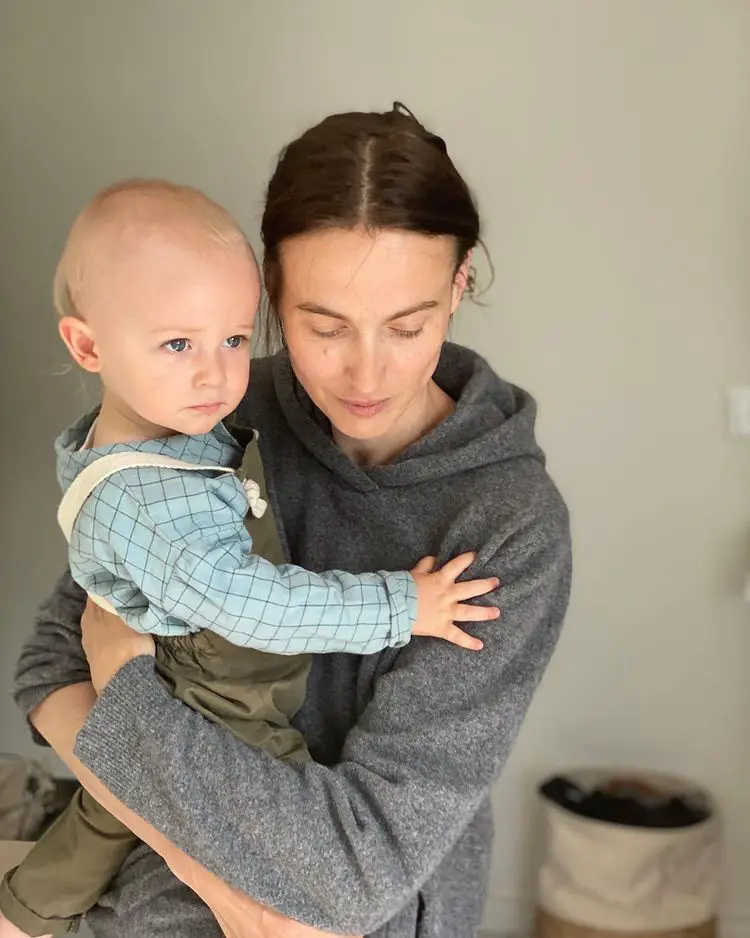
(394, 268)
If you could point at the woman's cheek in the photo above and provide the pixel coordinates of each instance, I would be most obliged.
(420, 356)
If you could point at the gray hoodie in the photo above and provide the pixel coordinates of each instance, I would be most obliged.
(388, 833)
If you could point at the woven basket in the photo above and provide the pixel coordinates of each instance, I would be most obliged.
(547, 926)
(600, 879)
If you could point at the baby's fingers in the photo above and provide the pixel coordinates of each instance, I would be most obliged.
(469, 589)
(466, 613)
(458, 565)
(425, 565)
(456, 636)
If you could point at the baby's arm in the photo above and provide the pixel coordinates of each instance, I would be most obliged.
(165, 563)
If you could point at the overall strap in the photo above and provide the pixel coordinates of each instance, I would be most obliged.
(104, 467)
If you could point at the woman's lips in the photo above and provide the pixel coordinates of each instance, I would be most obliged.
(364, 408)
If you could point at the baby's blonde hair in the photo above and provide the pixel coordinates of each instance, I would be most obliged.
(141, 205)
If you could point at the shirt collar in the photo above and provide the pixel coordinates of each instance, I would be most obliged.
(218, 447)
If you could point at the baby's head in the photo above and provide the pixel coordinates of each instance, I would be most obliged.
(157, 291)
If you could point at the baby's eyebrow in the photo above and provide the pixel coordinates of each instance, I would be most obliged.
(182, 331)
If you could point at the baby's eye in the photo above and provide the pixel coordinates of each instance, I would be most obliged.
(176, 345)
(235, 341)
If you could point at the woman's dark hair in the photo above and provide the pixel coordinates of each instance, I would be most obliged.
(371, 170)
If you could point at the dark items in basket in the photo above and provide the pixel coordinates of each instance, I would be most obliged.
(627, 802)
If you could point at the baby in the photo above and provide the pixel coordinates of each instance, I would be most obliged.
(168, 522)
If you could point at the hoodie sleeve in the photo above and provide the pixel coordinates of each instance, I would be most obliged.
(52, 656)
(343, 847)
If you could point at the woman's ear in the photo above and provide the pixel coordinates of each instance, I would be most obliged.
(79, 338)
(461, 281)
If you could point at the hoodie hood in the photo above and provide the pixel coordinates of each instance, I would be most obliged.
(493, 422)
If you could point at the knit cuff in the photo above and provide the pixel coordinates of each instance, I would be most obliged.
(128, 718)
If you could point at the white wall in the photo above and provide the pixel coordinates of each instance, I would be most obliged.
(609, 144)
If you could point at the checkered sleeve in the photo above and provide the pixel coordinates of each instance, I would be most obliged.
(165, 547)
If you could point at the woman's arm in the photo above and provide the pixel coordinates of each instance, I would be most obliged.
(53, 689)
(52, 656)
(345, 847)
(59, 719)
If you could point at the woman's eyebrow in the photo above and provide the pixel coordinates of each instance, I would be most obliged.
(319, 310)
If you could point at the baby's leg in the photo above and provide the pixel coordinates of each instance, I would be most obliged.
(250, 693)
(67, 870)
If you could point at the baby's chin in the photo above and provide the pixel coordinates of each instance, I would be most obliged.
(192, 421)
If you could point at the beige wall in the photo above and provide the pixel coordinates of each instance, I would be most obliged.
(609, 144)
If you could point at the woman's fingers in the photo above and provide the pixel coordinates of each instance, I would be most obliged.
(9, 930)
(109, 644)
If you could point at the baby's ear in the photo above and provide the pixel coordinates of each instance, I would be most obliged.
(79, 338)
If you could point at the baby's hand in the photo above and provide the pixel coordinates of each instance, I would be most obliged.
(442, 601)
(8, 930)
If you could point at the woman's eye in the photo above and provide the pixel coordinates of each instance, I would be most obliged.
(235, 341)
(331, 334)
(176, 345)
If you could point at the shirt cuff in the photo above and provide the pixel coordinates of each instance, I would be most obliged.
(402, 593)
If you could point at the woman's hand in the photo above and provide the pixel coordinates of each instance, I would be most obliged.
(109, 644)
(8, 930)
(238, 916)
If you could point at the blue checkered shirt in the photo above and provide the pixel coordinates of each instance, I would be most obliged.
(170, 551)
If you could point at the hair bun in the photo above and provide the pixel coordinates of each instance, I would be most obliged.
(401, 109)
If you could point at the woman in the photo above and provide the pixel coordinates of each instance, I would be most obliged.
(381, 443)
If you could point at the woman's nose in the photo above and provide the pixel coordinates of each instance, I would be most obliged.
(366, 367)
